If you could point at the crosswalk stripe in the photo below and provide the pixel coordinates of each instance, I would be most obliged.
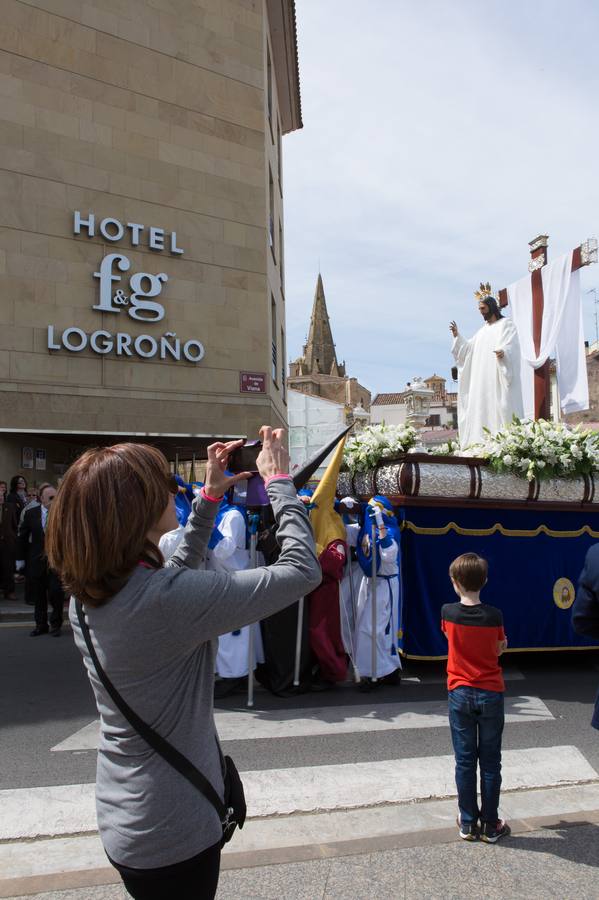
(46, 811)
(87, 738)
(70, 809)
(257, 724)
(346, 786)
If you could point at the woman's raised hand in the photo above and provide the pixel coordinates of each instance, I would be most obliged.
(273, 459)
(217, 483)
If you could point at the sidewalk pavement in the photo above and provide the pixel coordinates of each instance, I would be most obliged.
(16, 610)
(556, 861)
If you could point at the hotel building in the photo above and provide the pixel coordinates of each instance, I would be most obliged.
(141, 224)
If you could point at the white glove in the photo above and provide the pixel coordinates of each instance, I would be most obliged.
(20, 565)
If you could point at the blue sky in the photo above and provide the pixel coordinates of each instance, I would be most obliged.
(438, 139)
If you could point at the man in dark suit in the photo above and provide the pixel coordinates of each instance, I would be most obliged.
(585, 612)
(43, 584)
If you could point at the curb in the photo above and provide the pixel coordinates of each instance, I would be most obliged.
(36, 884)
(17, 616)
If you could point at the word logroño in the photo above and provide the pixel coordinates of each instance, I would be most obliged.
(169, 345)
(140, 302)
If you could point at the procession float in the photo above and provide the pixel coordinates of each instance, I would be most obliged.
(527, 500)
(524, 494)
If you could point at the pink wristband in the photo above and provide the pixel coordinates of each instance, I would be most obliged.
(208, 497)
(276, 477)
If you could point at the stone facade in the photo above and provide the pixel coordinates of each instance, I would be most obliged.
(590, 415)
(318, 372)
(162, 116)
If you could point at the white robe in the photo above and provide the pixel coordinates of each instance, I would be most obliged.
(489, 389)
(169, 542)
(387, 613)
(231, 555)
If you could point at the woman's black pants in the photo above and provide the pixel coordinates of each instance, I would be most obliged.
(192, 879)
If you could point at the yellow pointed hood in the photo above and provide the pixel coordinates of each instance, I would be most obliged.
(326, 523)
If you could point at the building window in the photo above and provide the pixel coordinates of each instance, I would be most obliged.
(434, 420)
(283, 379)
(271, 214)
(273, 316)
(269, 87)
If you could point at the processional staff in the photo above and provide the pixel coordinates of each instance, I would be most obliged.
(373, 603)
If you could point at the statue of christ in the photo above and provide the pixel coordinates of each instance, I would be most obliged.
(489, 385)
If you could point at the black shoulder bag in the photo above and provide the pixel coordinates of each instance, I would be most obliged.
(233, 811)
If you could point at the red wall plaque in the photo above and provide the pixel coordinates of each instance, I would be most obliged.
(252, 382)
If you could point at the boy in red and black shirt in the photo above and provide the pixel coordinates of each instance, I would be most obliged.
(475, 683)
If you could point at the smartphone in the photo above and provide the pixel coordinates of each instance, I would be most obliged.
(244, 458)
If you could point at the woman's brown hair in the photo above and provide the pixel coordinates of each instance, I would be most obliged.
(108, 501)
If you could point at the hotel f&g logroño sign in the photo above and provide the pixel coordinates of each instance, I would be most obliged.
(124, 292)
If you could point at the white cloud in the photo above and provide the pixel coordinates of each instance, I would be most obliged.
(439, 138)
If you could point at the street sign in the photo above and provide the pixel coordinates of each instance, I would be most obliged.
(252, 382)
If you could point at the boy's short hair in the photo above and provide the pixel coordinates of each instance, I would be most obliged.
(469, 571)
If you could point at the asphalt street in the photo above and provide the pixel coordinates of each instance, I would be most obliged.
(320, 828)
(45, 698)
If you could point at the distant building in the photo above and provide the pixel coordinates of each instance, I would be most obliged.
(318, 372)
(589, 416)
(394, 409)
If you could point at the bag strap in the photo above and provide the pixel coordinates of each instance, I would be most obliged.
(164, 749)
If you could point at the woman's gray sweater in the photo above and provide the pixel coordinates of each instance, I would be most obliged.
(156, 640)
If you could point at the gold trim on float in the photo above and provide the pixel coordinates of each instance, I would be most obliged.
(498, 528)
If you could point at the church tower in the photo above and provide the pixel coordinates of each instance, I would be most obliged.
(317, 371)
(320, 357)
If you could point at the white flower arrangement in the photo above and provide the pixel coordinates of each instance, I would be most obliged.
(541, 449)
(375, 442)
(450, 448)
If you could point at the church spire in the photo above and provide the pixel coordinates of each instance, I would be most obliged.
(319, 351)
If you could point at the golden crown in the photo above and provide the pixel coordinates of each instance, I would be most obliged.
(484, 291)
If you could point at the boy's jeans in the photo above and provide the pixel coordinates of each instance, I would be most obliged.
(476, 722)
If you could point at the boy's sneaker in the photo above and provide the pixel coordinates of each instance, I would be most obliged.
(469, 831)
(490, 833)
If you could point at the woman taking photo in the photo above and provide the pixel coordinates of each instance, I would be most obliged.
(154, 628)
